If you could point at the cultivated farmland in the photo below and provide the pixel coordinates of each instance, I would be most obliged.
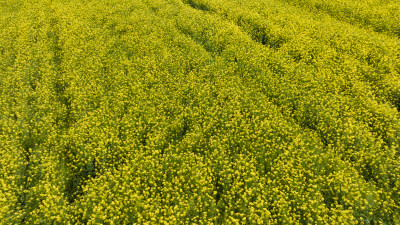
(199, 112)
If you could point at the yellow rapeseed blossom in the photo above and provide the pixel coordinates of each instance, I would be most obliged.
(199, 112)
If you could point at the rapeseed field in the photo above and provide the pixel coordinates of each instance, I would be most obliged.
(199, 112)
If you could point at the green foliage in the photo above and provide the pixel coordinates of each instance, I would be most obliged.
(199, 112)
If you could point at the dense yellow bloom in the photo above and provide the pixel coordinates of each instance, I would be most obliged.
(199, 112)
